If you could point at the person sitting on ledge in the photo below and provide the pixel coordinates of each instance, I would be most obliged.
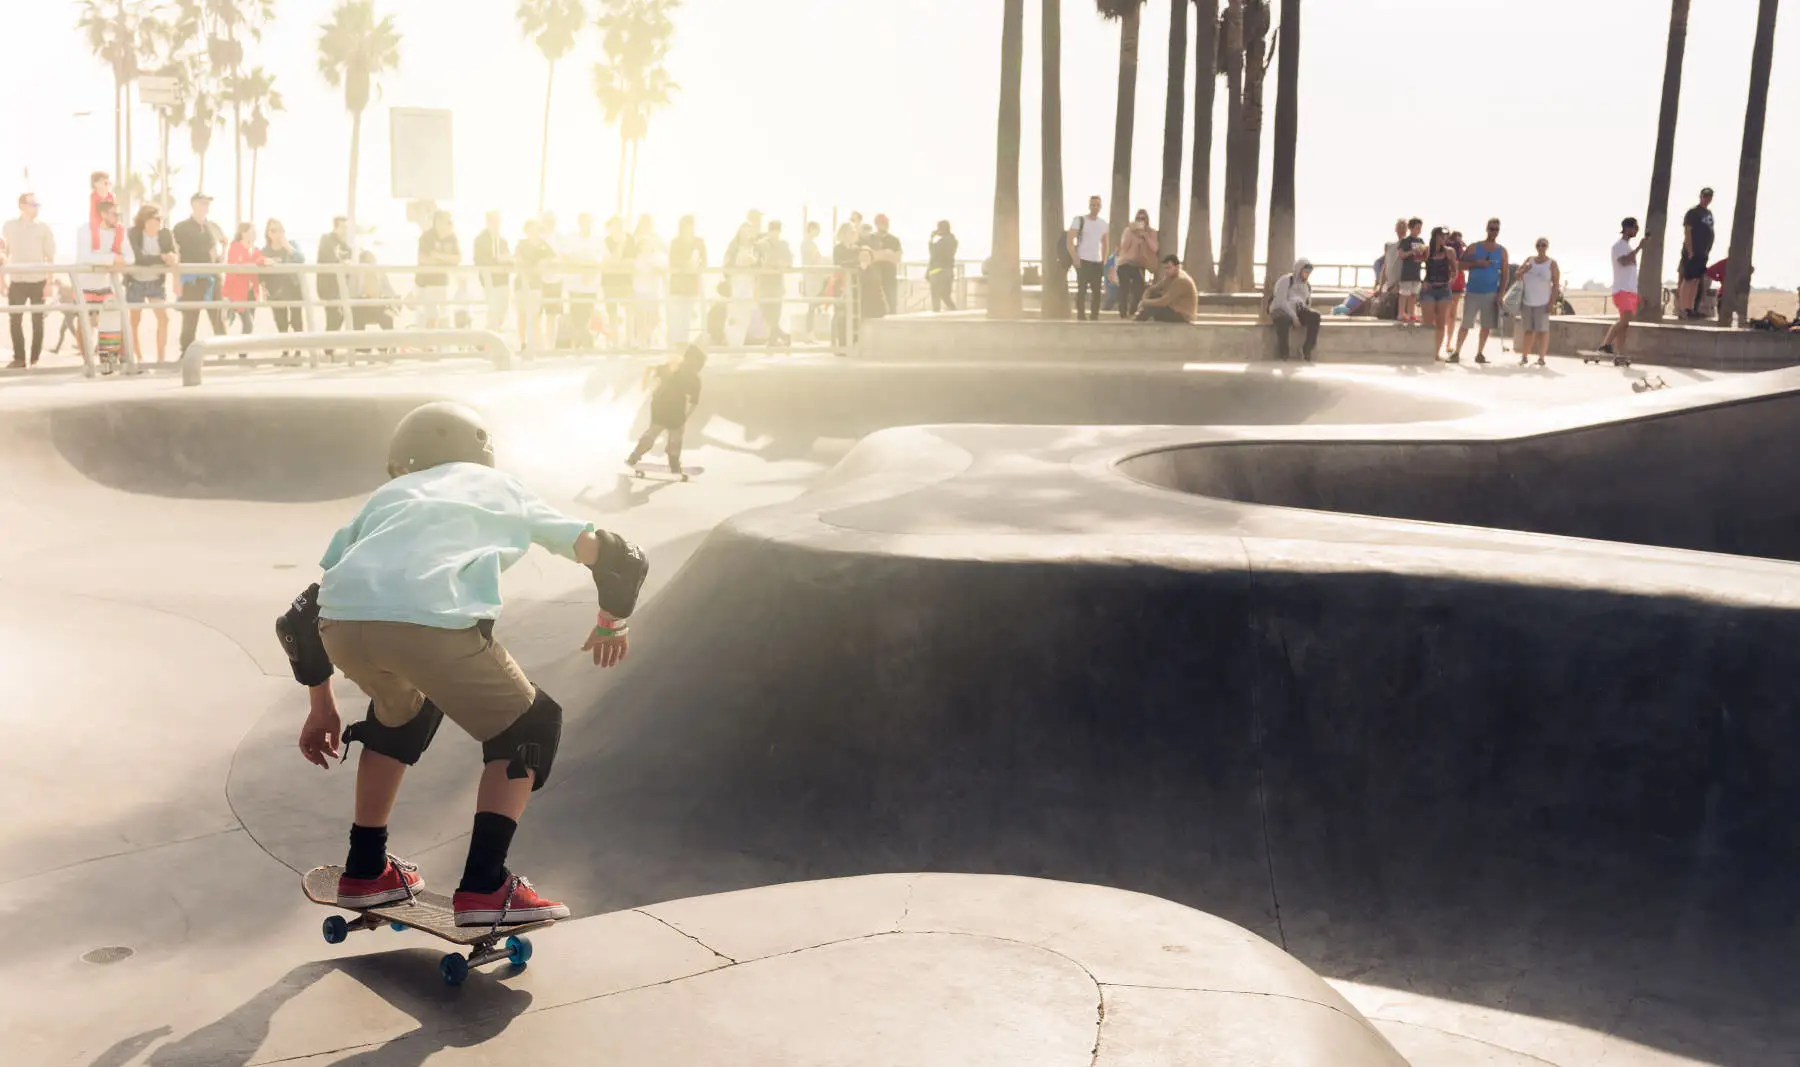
(1173, 298)
(1290, 305)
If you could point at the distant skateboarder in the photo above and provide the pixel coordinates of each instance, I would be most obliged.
(406, 610)
(677, 394)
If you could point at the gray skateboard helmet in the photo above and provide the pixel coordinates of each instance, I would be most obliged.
(438, 433)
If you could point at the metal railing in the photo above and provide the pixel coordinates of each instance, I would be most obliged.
(551, 309)
(438, 343)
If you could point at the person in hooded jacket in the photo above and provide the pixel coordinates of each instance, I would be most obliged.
(1291, 305)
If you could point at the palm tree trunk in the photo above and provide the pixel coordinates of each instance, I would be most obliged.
(118, 131)
(1656, 218)
(1055, 304)
(1232, 26)
(1256, 43)
(202, 186)
(125, 182)
(1124, 124)
(1287, 138)
(355, 152)
(544, 155)
(1198, 256)
(237, 153)
(253, 154)
(1735, 300)
(631, 193)
(624, 151)
(1004, 298)
(164, 125)
(1168, 223)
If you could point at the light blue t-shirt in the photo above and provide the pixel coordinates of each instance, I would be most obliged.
(428, 547)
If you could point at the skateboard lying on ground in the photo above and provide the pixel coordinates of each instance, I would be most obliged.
(1649, 383)
(429, 912)
(1589, 355)
(661, 470)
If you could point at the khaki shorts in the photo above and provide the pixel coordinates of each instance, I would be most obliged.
(468, 675)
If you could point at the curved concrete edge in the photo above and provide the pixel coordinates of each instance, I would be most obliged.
(883, 969)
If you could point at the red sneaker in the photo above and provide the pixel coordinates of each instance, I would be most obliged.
(513, 903)
(400, 880)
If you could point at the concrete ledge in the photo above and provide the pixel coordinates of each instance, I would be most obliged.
(1681, 345)
(1224, 340)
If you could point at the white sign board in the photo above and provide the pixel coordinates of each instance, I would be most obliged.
(157, 90)
(421, 164)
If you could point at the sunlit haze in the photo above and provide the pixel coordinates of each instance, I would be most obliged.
(1541, 111)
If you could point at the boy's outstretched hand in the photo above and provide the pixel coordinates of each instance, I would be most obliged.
(319, 737)
(608, 649)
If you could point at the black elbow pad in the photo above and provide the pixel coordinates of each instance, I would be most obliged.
(298, 629)
(619, 574)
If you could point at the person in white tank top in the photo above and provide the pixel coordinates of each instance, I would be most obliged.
(1542, 281)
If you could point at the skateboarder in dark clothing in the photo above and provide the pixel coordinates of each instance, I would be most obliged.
(677, 394)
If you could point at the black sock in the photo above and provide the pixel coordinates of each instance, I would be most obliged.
(485, 870)
(368, 852)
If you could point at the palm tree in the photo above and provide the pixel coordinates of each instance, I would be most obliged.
(355, 48)
(225, 24)
(1287, 137)
(1004, 297)
(1249, 146)
(632, 83)
(1198, 256)
(1231, 61)
(1055, 301)
(203, 118)
(552, 26)
(256, 91)
(1735, 299)
(111, 28)
(1656, 218)
(1168, 224)
(1127, 14)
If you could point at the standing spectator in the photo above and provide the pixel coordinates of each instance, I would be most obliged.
(1388, 275)
(1290, 305)
(753, 223)
(1458, 284)
(491, 252)
(687, 260)
(1696, 247)
(650, 254)
(874, 284)
(100, 190)
(1542, 280)
(740, 278)
(886, 249)
(534, 252)
(587, 251)
(1173, 298)
(618, 273)
(334, 249)
(94, 246)
(243, 288)
(1435, 296)
(28, 243)
(1412, 257)
(815, 284)
(370, 284)
(152, 254)
(1487, 265)
(1088, 243)
(775, 258)
(1137, 258)
(1624, 289)
(198, 241)
(553, 283)
(940, 272)
(438, 247)
(284, 287)
(846, 256)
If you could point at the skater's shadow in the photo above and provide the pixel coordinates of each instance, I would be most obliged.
(626, 493)
(408, 981)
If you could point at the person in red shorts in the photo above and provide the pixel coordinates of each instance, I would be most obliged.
(1624, 288)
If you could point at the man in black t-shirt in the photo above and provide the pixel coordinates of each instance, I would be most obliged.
(1696, 247)
(334, 248)
(438, 246)
(1412, 255)
(886, 247)
(199, 241)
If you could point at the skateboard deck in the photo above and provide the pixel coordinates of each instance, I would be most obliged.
(430, 913)
(647, 468)
(1589, 355)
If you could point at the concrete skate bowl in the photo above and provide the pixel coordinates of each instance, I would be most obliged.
(1531, 773)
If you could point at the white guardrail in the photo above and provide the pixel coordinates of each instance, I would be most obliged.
(438, 342)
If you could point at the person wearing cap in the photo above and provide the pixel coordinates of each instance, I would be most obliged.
(199, 241)
(886, 247)
(94, 246)
(1624, 289)
(1696, 245)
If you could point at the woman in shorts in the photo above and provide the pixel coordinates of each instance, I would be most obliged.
(147, 282)
(1435, 297)
(1457, 284)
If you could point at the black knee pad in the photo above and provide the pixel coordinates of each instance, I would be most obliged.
(404, 743)
(529, 744)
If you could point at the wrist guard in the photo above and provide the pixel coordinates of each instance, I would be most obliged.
(298, 629)
(619, 574)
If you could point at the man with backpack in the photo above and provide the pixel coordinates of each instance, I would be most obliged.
(1088, 249)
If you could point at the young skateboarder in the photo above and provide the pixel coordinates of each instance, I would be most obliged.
(406, 610)
(677, 394)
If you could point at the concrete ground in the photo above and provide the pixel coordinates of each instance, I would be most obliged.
(160, 814)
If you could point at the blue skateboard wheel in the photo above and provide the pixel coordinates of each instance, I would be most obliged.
(335, 929)
(518, 950)
(454, 969)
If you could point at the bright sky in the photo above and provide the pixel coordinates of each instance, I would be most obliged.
(1541, 111)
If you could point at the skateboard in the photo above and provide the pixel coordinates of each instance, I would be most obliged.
(645, 469)
(430, 913)
(1648, 384)
(1589, 355)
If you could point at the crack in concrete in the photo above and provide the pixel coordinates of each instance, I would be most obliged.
(123, 852)
(684, 933)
